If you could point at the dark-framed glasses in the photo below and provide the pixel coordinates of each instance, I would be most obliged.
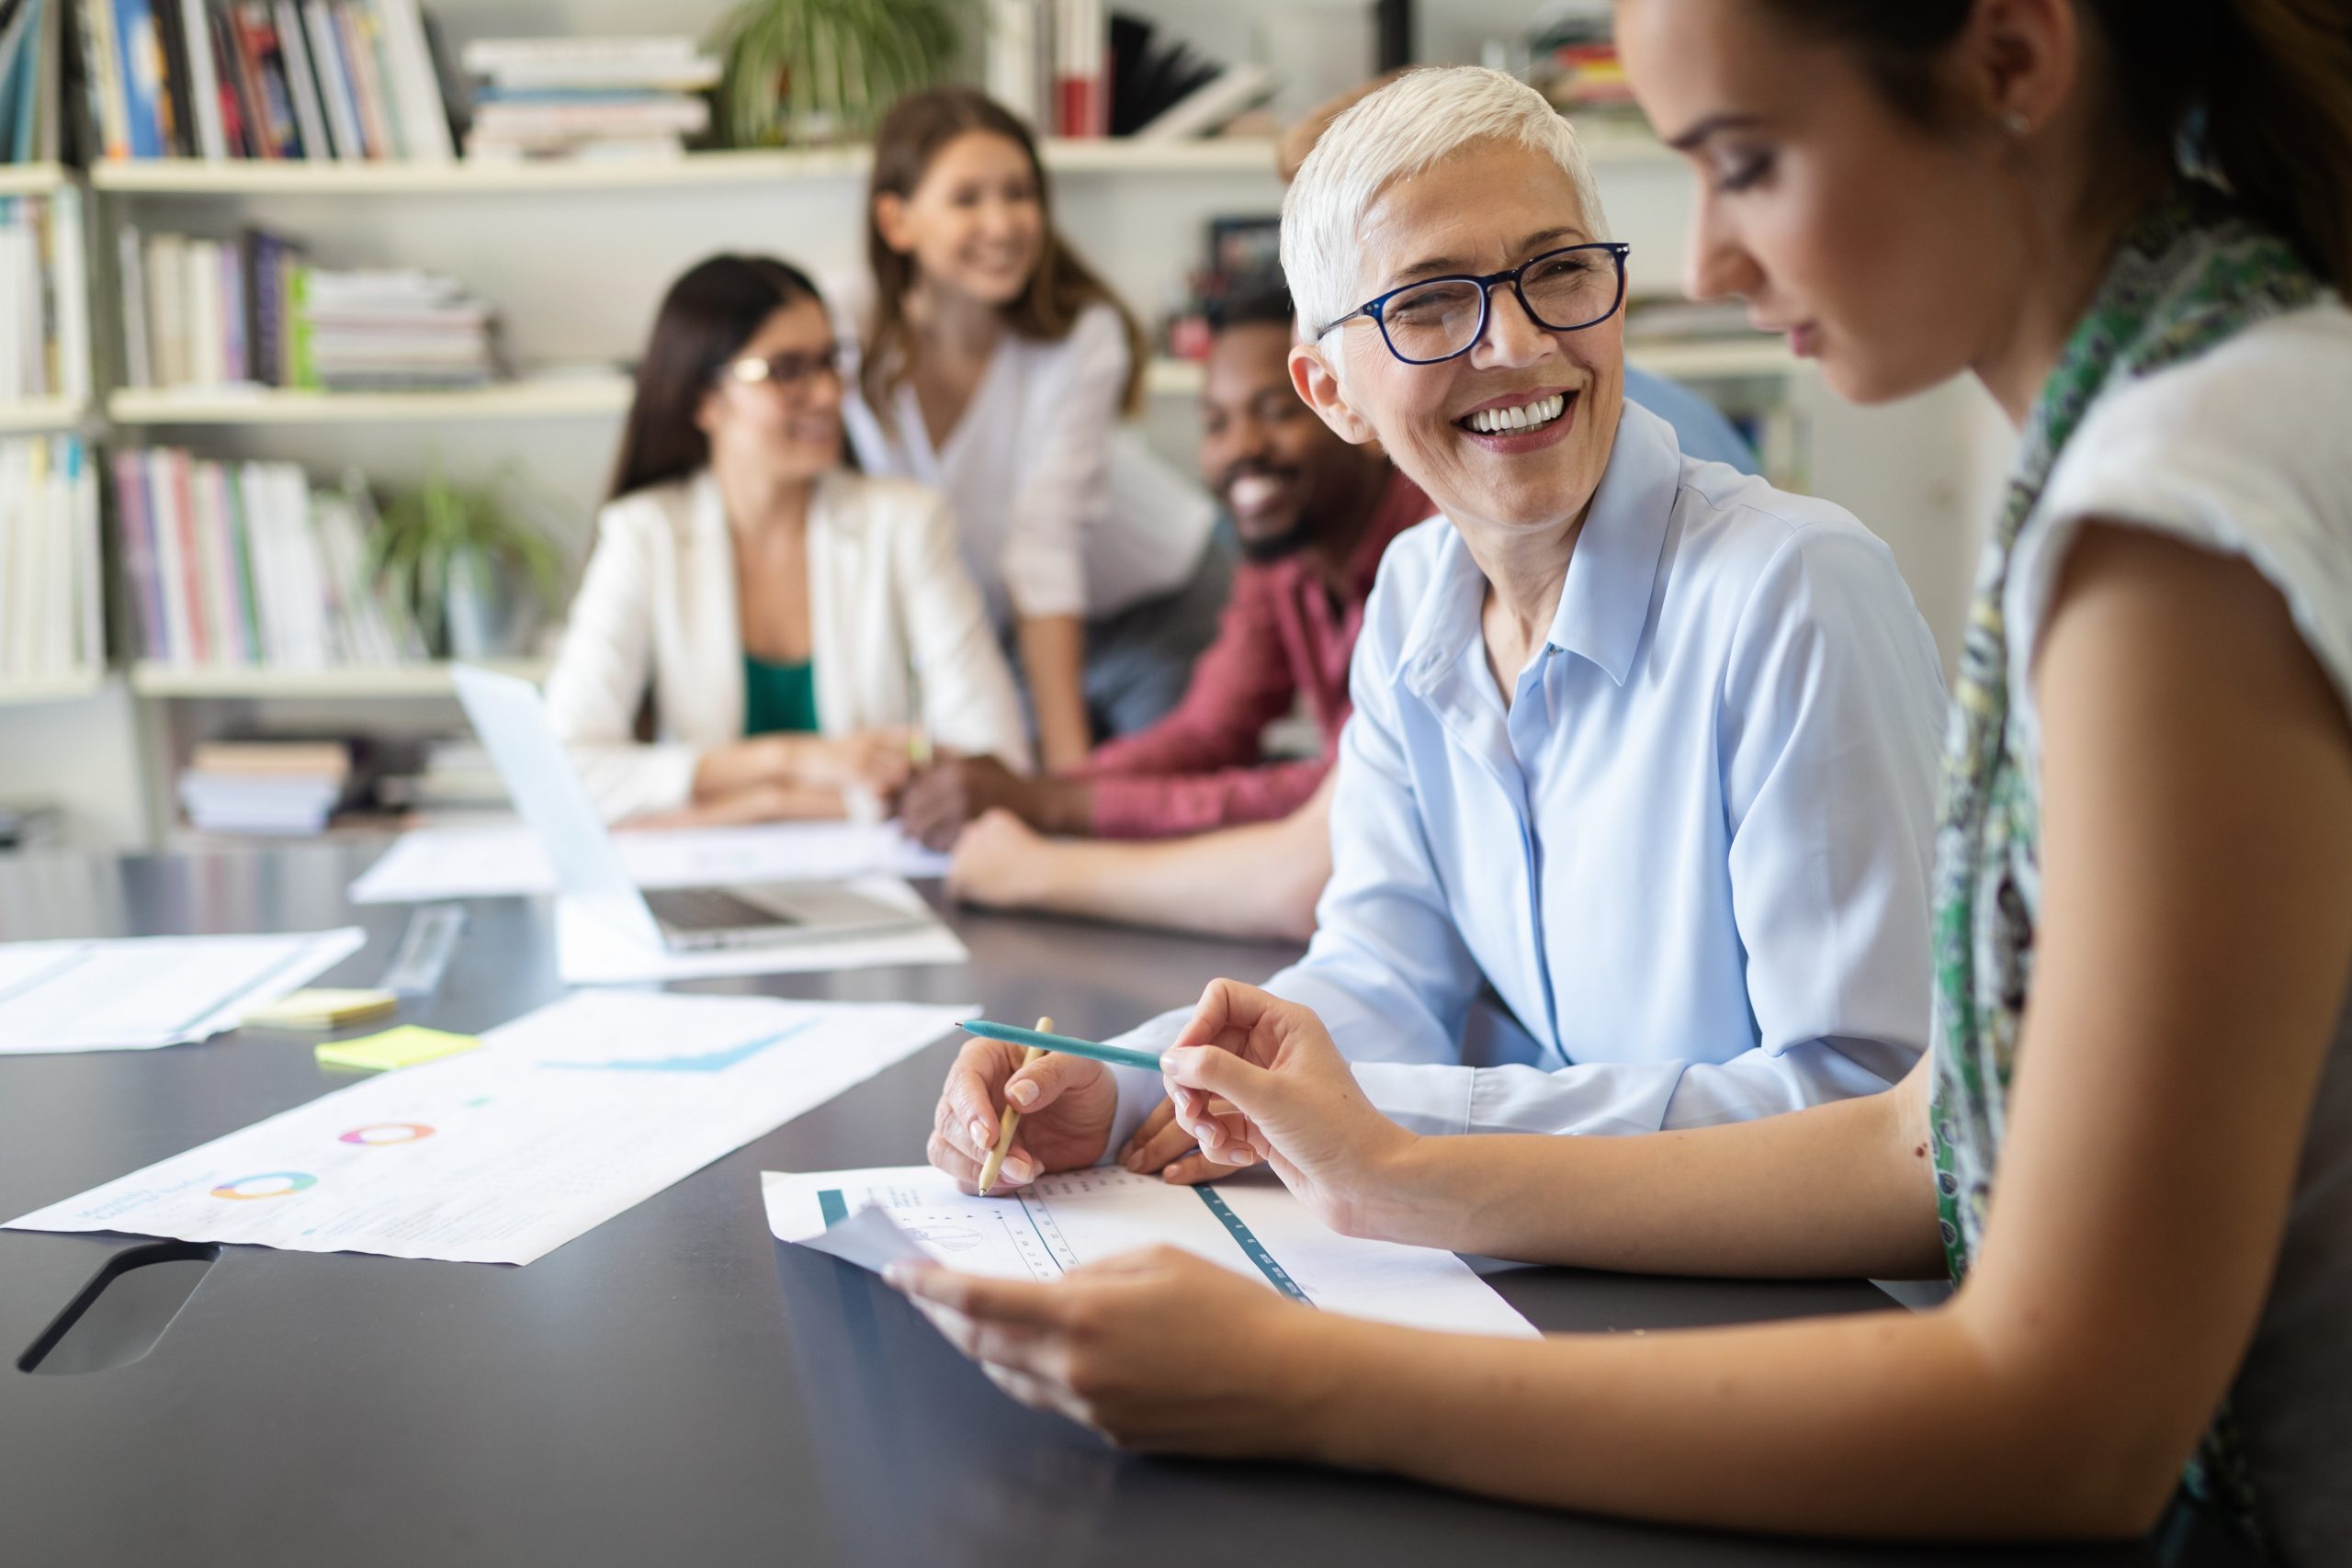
(788, 371)
(1436, 319)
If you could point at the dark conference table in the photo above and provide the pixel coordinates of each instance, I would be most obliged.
(674, 1386)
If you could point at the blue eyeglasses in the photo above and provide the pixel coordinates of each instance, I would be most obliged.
(1438, 319)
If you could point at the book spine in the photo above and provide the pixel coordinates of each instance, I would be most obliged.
(104, 58)
(241, 565)
(142, 77)
(301, 83)
(230, 280)
(424, 118)
(335, 84)
(137, 347)
(138, 554)
(155, 489)
(204, 81)
(73, 295)
(202, 640)
(177, 99)
(229, 66)
(358, 64)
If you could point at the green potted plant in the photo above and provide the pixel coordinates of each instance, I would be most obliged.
(466, 569)
(826, 70)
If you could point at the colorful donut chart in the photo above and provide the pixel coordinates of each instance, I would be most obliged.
(288, 1181)
(383, 1135)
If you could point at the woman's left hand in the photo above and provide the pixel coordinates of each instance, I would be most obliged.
(1158, 1350)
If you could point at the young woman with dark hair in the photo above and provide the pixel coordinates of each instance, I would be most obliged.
(2130, 1144)
(795, 624)
(995, 366)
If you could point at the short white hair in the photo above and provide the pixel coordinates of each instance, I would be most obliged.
(1414, 122)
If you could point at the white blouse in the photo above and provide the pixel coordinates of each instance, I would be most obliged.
(896, 631)
(1062, 512)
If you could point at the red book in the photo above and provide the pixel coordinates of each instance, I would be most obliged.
(191, 584)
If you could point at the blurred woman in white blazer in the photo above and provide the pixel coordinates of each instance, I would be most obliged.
(798, 628)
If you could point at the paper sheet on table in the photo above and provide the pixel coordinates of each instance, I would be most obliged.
(590, 951)
(1251, 1225)
(136, 993)
(494, 860)
(564, 1118)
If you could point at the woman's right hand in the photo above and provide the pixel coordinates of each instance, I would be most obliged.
(878, 760)
(1256, 1077)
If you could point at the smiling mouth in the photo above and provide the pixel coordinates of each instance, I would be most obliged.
(1526, 416)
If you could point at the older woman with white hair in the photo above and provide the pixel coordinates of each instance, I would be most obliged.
(1642, 746)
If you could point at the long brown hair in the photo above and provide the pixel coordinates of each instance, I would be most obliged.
(917, 127)
(717, 307)
(2262, 88)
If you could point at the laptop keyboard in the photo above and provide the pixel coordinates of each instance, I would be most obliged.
(708, 909)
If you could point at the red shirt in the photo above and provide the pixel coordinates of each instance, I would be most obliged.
(1281, 636)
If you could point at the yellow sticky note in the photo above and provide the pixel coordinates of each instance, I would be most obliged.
(403, 1047)
(323, 1008)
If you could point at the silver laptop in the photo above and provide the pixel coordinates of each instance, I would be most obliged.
(512, 719)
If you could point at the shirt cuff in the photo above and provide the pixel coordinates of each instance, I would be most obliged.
(1140, 1090)
(1421, 1096)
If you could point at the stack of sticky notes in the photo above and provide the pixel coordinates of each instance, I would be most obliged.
(394, 1048)
(323, 1008)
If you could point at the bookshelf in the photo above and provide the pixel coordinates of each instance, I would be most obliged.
(574, 256)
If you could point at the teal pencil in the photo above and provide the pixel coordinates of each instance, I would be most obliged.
(1094, 1050)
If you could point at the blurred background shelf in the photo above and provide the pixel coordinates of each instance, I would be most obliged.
(68, 686)
(42, 413)
(563, 398)
(254, 176)
(32, 179)
(148, 679)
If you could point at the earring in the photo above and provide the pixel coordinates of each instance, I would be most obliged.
(2016, 122)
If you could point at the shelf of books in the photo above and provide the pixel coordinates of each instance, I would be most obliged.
(151, 678)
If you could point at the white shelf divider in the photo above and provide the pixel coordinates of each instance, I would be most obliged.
(42, 413)
(566, 398)
(32, 179)
(1703, 359)
(150, 679)
(68, 686)
(262, 176)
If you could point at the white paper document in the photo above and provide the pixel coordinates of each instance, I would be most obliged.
(564, 1118)
(592, 952)
(1252, 1227)
(495, 860)
(136, 993)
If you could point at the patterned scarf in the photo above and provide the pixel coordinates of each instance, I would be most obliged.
(2185, 277)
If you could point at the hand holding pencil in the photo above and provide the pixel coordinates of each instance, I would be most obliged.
(1062, 1110)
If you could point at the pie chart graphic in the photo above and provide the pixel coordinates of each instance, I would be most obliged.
(267, 1184)
(377, 1134)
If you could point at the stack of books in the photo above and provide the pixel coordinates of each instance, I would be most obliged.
(247, 564)
(44, 323)
(456, 778)
(388, 331)
(31, 129)
(309, 79)
(1573, 62)
(266, 786)
(587, 97)
(50, 579)
(250, 311)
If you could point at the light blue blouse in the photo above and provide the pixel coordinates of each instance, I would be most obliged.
(1690, 862)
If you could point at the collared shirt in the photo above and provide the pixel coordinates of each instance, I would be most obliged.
(1283, 636)
(1690, 859)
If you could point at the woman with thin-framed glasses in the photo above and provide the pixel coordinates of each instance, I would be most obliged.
(796, 625)
(1642, 748)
